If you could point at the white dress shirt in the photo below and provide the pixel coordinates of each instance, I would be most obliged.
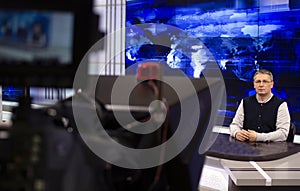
(282, 123)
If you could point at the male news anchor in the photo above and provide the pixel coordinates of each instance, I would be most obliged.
(262, 117)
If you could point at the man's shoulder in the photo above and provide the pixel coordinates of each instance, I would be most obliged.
(252, 97)
(278, 99)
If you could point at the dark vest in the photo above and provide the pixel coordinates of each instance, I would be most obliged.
(261, 117)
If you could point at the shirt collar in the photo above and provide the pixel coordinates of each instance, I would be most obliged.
(265, 100)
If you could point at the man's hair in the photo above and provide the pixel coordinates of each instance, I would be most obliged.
(263, 71)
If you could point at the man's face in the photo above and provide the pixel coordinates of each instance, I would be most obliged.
(263, 84)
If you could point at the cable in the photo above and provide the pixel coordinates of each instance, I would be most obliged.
(163, 150)
(154, 87)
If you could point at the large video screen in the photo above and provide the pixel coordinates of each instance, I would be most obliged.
(241, 37)
(31, 35)
(10, 93)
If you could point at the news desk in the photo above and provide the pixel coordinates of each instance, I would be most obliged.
(258, 166)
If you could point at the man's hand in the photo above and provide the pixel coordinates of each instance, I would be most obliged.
(242, 135)
(248, 135)
(252, 135)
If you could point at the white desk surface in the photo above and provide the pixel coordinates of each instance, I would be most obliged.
(281, 172)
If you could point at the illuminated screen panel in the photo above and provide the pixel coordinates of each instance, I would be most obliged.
(241, 37)
(10, 93)
(30, 35)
